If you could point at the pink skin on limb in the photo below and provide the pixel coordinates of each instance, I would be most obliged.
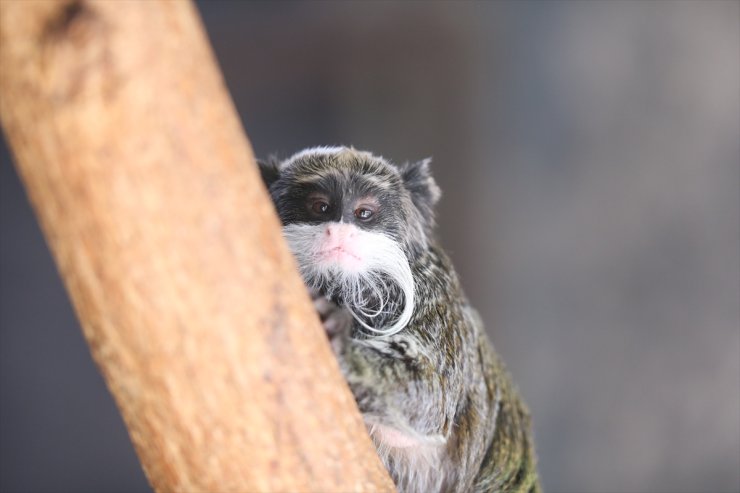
(341, 245)
(391, 437)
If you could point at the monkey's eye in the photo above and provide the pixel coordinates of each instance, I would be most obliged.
(319, 206)
(364, 213)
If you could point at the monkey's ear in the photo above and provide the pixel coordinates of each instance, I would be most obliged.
(424, 190)
(269, 170)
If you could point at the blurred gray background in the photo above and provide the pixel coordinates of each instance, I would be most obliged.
(589, 154)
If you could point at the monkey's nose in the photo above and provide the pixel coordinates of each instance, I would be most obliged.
(340, 230)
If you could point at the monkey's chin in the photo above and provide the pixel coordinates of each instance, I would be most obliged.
(373, 280)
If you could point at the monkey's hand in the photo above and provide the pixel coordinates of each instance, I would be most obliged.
(335, 319)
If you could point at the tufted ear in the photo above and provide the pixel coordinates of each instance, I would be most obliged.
(417, 177)
(269, 170)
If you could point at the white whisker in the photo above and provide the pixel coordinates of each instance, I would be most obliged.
(379, 289)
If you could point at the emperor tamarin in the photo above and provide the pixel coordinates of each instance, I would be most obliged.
(436, 399)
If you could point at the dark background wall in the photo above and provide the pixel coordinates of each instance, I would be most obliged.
(589, 158)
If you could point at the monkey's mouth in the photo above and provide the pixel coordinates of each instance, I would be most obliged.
(341, 256)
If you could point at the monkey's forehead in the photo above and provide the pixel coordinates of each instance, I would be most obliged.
(319, 160)
(326, 152)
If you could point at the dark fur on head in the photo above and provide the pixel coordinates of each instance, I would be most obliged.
(406, 194)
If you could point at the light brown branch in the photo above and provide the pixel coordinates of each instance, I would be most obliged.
(147, 192)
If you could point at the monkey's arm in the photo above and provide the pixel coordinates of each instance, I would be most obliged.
(395, 382)
(396, 386)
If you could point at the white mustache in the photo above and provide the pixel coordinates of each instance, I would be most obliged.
(385, 273)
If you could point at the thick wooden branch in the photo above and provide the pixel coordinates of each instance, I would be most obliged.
(147, 192)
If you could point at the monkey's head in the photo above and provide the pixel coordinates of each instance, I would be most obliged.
(355, 222)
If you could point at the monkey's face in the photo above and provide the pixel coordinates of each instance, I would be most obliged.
(354, 222)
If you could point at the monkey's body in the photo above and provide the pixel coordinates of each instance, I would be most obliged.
(438, 402)
(440, 382)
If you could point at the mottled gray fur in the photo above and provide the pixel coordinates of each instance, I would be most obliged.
(436, 398)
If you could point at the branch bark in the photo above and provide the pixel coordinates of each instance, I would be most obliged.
(145, 186)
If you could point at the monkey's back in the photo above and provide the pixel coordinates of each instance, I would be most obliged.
(491, 440)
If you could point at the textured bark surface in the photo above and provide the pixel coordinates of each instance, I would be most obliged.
(145, 186)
